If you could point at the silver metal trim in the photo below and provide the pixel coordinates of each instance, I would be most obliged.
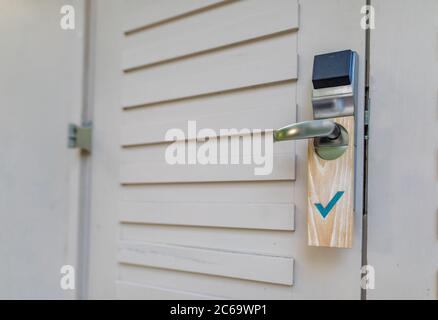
(306, 130)
(338, 101)
(331, 149)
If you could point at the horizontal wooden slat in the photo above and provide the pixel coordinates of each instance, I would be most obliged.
(143, 13)
(270, 60)
(149, 228)
(225, 25)
(228, 288)
(265, 108)
(276, 93)
(156, 153)
(230, 215)
(135, 173)
(224, 192)
(229, 264)
(269, 242)
(134, 291)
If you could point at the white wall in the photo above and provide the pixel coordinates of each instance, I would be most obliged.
(40, 93)
(402, 202)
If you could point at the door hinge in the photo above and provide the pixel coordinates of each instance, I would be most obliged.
(367, 117)
(366, 123)
(79, 137)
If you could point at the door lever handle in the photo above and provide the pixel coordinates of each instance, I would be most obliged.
(330, 138)
(308, 130)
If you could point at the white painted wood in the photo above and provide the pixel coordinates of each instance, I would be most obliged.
(149, 165)
(225, 25)
(143, 13)
(229, 264)
(274, 59)
(40, 93)
(402, 210)
(276, 192)
(156, 153)
(195, 87)
(105, 159)
(234, 215)
(161, 172)
(204, 284)
(327, 26)
(268, 95)
(269, 242)
(133, 291)
(263, 108)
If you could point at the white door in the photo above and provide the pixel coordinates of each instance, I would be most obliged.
(403, 144)
(212, 232)
(40, 93)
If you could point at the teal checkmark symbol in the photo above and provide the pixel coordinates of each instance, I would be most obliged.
(325, 211)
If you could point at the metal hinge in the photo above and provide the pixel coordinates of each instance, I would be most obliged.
(366, 122)
(79, 137)
(367, 117)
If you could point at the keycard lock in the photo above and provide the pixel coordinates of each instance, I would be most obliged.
(332, 153)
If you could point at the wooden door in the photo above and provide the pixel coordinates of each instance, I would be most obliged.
(211, 232)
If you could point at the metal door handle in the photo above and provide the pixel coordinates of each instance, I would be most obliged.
(308, 130)
(330, 138)
(334, 95)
